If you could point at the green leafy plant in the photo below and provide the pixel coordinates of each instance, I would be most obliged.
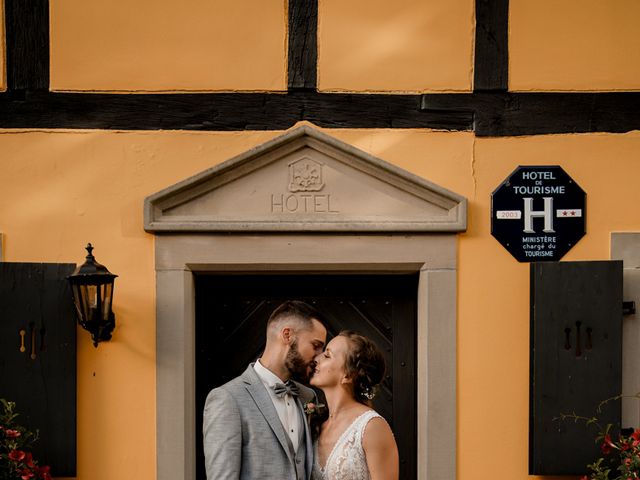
(621, 451)
(16, 462)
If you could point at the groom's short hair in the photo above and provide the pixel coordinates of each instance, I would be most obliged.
(298, 313)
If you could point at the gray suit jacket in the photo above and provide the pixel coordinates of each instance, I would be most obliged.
(244, 438)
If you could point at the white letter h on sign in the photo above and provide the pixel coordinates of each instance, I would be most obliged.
(529, 215)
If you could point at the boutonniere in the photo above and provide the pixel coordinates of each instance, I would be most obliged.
(312, 408)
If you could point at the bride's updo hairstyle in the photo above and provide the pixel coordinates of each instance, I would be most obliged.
(364, 364)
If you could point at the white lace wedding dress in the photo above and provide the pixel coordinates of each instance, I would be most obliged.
(346, 460)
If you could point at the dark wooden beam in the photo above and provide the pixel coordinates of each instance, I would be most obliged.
(303, 44)
(488, 114)
(491, 68)
(508, 114)
(224, 111)
(27, 44)
(490, 111)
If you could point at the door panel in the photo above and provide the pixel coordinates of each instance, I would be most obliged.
(231, 315)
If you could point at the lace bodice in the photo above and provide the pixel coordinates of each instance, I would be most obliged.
(346, 460)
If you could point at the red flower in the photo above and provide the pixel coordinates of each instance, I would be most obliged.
(28, 459)
(606, 445)
(12, 433)
(26, 474)
(16, 455)
(43, 473)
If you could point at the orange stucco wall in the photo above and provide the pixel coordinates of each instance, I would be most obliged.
(62, 189)
(363, 45)
(160, 45)
(376, 45)
(569, 45)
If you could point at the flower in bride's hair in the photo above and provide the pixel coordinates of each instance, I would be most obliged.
(368, 393)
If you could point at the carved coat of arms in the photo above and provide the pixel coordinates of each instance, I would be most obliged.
(305, 175)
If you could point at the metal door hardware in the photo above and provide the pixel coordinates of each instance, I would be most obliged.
(628, 308)
(22, 332)
(588, 342)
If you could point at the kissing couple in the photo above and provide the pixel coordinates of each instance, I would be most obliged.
(256, 426)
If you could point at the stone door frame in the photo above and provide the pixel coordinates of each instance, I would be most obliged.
(224, 220)
(179, 256)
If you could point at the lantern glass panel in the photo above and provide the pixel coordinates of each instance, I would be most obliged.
(106, 295)
(92, 296)
(84, 303)
(78, 301)
(87, 301)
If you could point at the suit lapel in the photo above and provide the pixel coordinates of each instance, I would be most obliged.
(307, 440)
(306, 395)
(263, 401)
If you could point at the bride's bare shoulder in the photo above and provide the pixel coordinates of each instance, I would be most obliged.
(380, 449)
(377, 429)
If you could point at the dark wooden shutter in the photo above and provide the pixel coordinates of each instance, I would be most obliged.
(576, 360)
(36, 298)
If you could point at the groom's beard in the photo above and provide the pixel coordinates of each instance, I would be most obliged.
(295, 364)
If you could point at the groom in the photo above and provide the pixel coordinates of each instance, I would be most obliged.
(254, 426)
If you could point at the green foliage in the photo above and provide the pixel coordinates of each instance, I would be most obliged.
(621, 453)
(16, 462)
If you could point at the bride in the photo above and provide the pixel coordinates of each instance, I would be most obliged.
(355, 443)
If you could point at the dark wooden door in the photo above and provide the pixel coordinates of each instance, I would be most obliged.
(231, 315)
(40, 378)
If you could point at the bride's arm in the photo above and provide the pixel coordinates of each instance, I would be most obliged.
(381, 450)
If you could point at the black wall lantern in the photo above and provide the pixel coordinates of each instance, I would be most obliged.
(92, 286)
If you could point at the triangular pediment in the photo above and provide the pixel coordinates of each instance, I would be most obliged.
(305, 181)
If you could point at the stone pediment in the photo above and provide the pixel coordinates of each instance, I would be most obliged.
(305, 181)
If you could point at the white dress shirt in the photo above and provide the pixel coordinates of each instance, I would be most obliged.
(286, 406)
